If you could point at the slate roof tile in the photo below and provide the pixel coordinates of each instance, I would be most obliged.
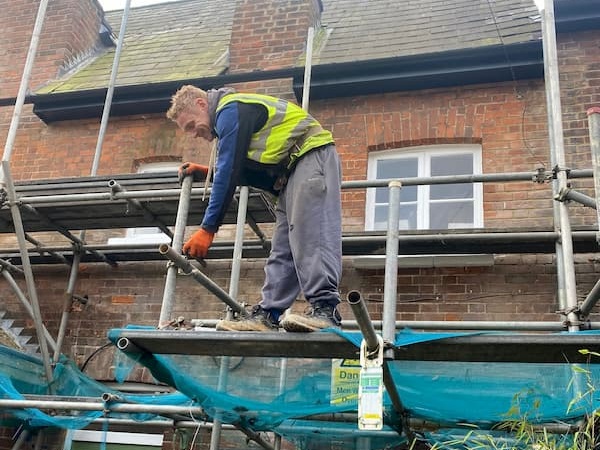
(169, 41)
(361, 29)
(190, 38)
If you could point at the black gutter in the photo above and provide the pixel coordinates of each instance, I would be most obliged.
(577, 15)
(489, 64)
(136, 99)
(468, 66)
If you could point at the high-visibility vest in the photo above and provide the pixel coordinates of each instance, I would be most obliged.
(288, 133)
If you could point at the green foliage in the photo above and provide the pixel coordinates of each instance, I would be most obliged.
(524, 433)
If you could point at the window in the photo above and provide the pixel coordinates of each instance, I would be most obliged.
(147, 235)
(442, 206)
(93, 440)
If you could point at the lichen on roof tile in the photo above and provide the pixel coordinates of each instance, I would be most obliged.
(163, 42)
(190, 38)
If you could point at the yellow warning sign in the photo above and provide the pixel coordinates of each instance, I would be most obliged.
(345, 376)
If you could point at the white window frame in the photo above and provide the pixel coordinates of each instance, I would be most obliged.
(424, 154)
(147, 235)
(132, 440)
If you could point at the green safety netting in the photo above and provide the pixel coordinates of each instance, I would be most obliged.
(23, 377)
(313, 402)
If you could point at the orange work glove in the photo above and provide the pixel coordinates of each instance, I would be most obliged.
(198, 244)
(197, 171)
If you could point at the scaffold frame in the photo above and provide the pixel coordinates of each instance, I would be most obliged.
(69, 205)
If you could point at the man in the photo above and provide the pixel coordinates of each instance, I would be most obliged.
(273, 145)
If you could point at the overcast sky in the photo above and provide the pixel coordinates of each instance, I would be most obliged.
(109, 5)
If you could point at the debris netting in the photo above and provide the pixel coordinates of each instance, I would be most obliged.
(314, 402)
(446, 396)
(22, 377)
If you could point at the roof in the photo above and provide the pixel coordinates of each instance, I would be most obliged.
(190, 38)
(364, 47)
(163, 42)
(359, 30)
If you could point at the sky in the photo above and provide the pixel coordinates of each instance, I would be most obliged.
(109, 5)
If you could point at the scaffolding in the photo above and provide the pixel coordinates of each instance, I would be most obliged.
(94, 202)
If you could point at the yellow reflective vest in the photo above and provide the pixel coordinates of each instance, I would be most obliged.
(288, 133)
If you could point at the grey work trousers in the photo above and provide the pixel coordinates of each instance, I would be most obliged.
(306, 250)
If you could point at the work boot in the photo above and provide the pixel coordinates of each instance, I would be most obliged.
(321, 315)
(259, 320)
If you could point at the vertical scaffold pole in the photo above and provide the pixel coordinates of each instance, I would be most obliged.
(111, 88)
(20, 101)
(560, 267)
(68, 301)
(594, 130)
(390, 288)
(390, 291)
(180, 224)
(565, 261)
(6, 179)
(234, 283)
(282, 383)
(307, 69)
(29, 279)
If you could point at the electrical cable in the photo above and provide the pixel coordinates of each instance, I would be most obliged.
(514, 79)
(93, 354)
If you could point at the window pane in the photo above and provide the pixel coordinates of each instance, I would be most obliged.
(450, 215)
(407, 194)
(397, 168)
(408, 217)
(381, 216)
(452, 165)
(445, 191)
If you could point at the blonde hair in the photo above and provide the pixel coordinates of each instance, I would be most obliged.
(183, 99)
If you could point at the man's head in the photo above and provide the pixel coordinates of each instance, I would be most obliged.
(189, 110)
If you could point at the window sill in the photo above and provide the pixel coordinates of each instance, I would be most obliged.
(149, 239)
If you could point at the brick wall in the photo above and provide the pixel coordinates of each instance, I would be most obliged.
(579, 68)
(269, 34)
(507, 119)
(69, 34)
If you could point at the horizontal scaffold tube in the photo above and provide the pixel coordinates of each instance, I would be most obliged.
(160, 423)
(198, 192)
(447, 325)
(101, 406)
(457, 179)
(415, 424)
(431, 425)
